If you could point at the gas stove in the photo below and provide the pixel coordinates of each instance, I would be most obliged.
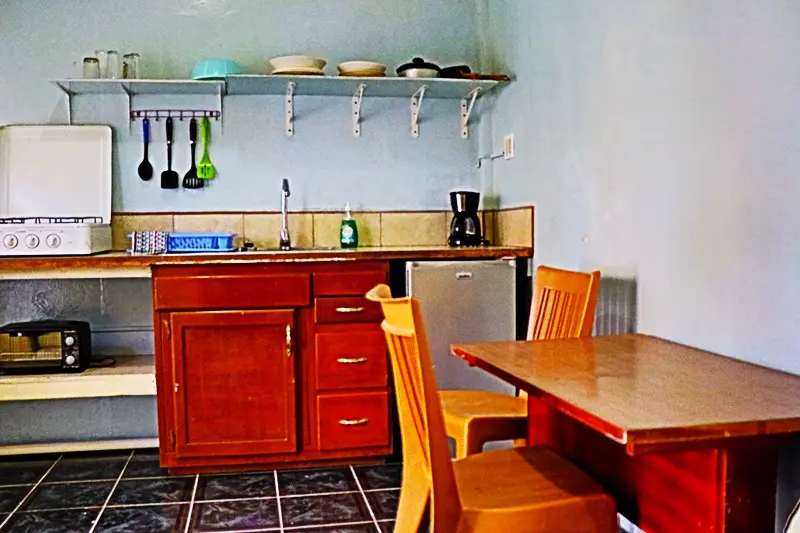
(63, 172)
(54, 236)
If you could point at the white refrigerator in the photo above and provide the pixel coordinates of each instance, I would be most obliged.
(464, 301)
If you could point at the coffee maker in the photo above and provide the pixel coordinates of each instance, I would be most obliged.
(465, 228)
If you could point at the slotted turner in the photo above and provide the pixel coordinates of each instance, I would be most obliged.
(205, 168)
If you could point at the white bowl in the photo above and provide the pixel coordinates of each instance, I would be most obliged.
(360, 66)
(294, 62)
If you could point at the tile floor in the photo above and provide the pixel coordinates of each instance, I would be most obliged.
(129, 493)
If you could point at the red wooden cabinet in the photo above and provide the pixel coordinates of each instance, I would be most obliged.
(270, 365)
(234, 382)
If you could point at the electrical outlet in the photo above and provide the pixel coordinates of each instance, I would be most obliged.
(508, 146)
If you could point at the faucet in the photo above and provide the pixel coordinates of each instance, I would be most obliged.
(285, 238)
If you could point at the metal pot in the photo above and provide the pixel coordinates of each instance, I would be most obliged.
(419, 68)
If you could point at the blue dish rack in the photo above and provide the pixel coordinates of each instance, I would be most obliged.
(200, 242)
(160, 242)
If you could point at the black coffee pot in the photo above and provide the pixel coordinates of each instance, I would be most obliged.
(465, 228)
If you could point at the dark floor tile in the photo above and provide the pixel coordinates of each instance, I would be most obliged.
(380, 476)
(315, 481)
(21, 472)
(238, 515)
(69, 495)
(73, 521)
(384, 503)
(11, 496)
(153, 491)
(149, 519)
(236, 486)
(321, 510)
(146, 452)
(368, 527)
(386, 527)
(144, 466)
(83, 467)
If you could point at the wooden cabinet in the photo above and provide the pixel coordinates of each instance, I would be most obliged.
(234, 390)
(270, 365)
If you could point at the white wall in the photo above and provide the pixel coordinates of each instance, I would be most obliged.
(661, 140)
(42, 40)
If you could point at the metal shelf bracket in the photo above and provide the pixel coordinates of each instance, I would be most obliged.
(68, 98)
(358, 99)
(128, 102)
(416, 107)
(290, 109)
(467, 105)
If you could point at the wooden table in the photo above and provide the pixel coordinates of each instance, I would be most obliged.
(685, 440)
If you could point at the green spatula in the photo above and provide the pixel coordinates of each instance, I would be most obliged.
(205, 168)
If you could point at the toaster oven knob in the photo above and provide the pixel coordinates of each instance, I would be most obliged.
(69, 341)
(70, 360)
(53, 240)
(31, 241)
(10, 241)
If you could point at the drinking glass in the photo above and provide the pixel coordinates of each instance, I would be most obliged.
(113, 66)
(130, 66)
(91, 68)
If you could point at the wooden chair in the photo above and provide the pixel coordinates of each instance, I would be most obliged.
(563, 307)
(521, 490)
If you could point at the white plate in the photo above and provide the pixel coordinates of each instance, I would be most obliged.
(299, 70)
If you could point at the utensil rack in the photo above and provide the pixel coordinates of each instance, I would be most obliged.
(179, 114)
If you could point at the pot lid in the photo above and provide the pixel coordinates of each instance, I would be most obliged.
(418, 62)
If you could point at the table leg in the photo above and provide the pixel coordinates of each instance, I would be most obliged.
(729, 489)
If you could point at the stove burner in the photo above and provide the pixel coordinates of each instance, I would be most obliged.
(52, 220)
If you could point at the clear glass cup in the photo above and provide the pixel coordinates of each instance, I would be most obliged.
(130, 66)
(91, 68)
(113, 66)
(102, 60)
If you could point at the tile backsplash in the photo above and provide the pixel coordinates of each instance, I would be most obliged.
(513, 227)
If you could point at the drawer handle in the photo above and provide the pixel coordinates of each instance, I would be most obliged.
(359, 422)
(350, 309)
(352, 361)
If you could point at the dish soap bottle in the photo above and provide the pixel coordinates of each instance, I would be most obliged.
(349, 233)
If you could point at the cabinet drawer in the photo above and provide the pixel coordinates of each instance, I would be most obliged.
(232, 292)
(346, 309)
(346, 283)
(357, 420)
(351, 360)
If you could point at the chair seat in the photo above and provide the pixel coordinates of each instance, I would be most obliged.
(468, 404)
(530, 490)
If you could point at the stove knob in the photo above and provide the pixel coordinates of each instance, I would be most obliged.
(53, 241)
(70, 360)
(69, 341)
(31, 241)
(10, 241)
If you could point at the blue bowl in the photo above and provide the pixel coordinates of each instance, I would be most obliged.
(215, 69)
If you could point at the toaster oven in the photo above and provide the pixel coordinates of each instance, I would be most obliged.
(45, 346)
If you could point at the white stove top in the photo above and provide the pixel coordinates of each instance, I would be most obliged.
(72, 185)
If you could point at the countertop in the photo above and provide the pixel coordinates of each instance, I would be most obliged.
(123, 265)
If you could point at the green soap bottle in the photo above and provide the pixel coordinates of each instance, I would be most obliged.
(349, 232)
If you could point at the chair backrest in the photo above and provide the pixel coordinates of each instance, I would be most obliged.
(426, 454)
(564, 303)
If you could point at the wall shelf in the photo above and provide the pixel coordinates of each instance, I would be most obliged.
(359, 89)
(131, 376)
(245, 84)
(141, 87)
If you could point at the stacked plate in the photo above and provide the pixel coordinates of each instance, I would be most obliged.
(298, 65)
(362, 69)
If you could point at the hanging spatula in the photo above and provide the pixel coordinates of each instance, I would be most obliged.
(169, 178)
(190, 180)
(205, 168)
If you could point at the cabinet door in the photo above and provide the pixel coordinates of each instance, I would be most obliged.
(234, 384)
